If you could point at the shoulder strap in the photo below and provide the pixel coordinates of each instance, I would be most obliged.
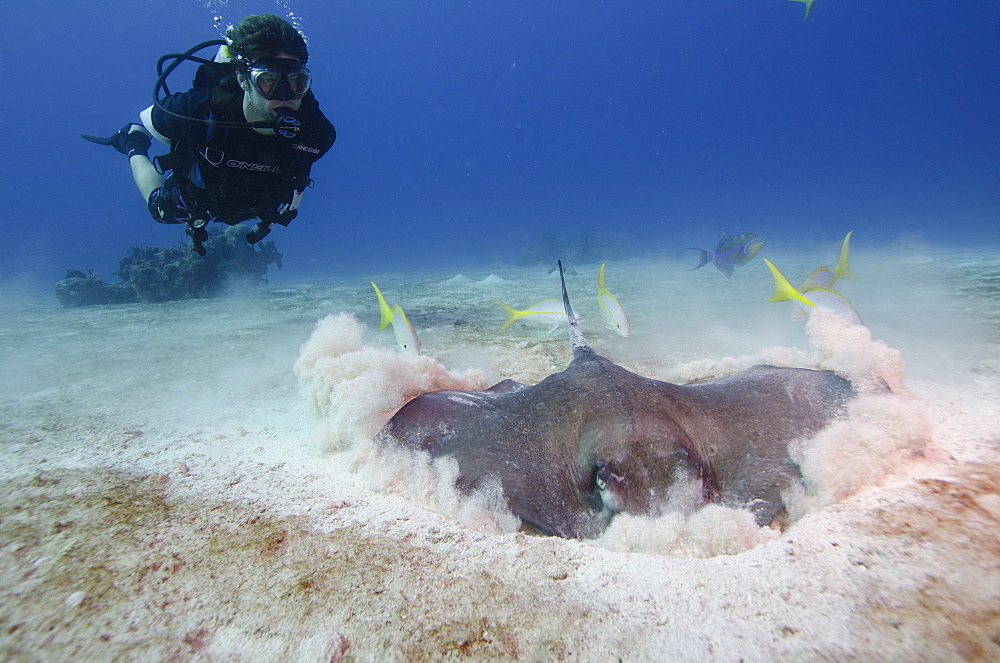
(220, 78)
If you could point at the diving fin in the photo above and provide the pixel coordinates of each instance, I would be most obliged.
(110, 140)
(124, 140)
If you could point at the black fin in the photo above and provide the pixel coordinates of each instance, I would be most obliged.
(110, 140)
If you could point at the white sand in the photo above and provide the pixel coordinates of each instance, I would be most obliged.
(169, 493)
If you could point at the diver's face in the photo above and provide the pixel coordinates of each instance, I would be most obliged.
(257, 108)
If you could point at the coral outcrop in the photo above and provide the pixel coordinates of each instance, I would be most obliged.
(152, 274)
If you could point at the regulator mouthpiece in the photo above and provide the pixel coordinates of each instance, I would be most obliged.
(287, 123)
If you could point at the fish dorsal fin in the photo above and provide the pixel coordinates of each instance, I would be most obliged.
(576, 338)
(820, 276)
(843, 270)
(723, 240)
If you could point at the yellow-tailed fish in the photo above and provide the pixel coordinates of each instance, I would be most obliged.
(406, 336)
(546, 313)
(826, 277)
(809, 6)
(613, 312)
(812, 296)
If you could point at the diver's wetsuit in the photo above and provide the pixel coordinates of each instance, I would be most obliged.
(232, 174)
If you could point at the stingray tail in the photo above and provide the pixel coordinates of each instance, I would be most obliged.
(576, 338)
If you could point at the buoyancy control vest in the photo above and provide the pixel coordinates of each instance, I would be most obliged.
(223, 164)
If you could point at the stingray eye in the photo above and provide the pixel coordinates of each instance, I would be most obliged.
(602, 479)
(608, 489)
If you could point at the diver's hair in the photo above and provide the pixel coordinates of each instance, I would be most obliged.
(263, 35)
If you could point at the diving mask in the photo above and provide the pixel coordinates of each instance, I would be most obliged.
(279, 79)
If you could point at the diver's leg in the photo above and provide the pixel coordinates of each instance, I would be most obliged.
(259, 232)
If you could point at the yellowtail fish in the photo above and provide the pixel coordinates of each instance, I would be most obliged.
(826, 277)
(812, 296)
(613, 312)
(406, 336)
(546, 313)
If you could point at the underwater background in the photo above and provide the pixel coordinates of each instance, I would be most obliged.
(467, 131)
(197, 479)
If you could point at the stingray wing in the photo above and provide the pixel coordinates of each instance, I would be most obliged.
(523, 434)
(742, 425)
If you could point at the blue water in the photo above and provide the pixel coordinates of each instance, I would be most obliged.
(469, 129)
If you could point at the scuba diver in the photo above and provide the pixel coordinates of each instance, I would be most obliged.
(242, 140)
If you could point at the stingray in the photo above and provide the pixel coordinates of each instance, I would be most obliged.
(597, 439)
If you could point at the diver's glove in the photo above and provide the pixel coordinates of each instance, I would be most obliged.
(263, 227)
(126, 141)
(282, 216)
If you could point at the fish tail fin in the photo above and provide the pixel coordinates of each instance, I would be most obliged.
(383, 309)
(843, 270)
(809, 7)
(705, 258)
(783, 289)
(602, 292)
(576, 338)
(512, 314)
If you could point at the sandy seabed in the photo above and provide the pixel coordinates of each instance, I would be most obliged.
(167, 494)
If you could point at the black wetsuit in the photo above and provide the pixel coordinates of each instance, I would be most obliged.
(232, 174)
